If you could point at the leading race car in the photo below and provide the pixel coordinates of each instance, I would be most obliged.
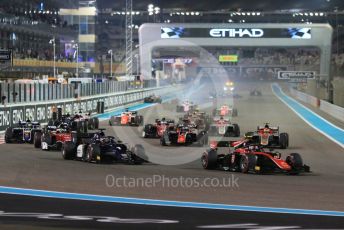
(186, 106)
(225, 110)
(183, 134)
(268, 136)
(127, 118)
(157, 129)
(23, 132)
(255, 92)
(152, 99)
(251, 158)
(99, 148)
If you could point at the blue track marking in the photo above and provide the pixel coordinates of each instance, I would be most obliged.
(136, 107)
(167, 203)
(323, 126)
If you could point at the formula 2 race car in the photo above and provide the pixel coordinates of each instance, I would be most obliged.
(183, 134)
(268, 137)
(53, 137)
(23, 132)
(152, 99)
(89, 122)
(225, 110)
(130, 118)
(222, 130)
(255, 92)
(157, 130)
(250, 158)
(186, 106)
(100, 148)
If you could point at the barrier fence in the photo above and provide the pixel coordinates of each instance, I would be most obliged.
(331, 109)
(37, 92)
(42, 111)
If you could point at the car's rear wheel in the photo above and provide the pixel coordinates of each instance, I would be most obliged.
(283, 140)
(96, 122)
(68, 150)
(209, 159)
(91, 124)
(37, 139)
(8, 135)
(236, 130)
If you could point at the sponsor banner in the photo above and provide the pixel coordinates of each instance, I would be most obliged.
(264, 70)
(228, 58)
(5, 55)
(287, 75)
(17, 114)
(182, 32)
(5, 118)
(239, 71)
(298, 80)
(30, 113)
(41, 113)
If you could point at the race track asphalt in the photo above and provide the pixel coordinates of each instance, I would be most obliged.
(23, 166)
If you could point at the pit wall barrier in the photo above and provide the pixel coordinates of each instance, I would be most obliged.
(42, 111)
(331, 109)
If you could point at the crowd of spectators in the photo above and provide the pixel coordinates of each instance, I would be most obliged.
(267, 56)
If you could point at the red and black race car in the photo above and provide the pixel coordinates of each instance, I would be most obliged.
(225, 111)
(127, 118)
(53, 137)
(251, 158)
(183, 134)
(268, 136)
(157, 129)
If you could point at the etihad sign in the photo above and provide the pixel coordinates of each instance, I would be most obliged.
(236, 33)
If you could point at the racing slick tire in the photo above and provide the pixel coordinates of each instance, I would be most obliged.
(68, 150)
(247, 162)
(236, 130)
(164, 140)
(284, 140)
(92, 153)
(139, 120)
(235, 113)
(8, 135)
(209, 159)
(37, 139)
(147, 131)
(295, 161)
(90, 124)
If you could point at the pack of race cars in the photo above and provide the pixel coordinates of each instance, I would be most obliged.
(79, 137)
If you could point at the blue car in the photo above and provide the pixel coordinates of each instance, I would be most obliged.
(99, 148)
